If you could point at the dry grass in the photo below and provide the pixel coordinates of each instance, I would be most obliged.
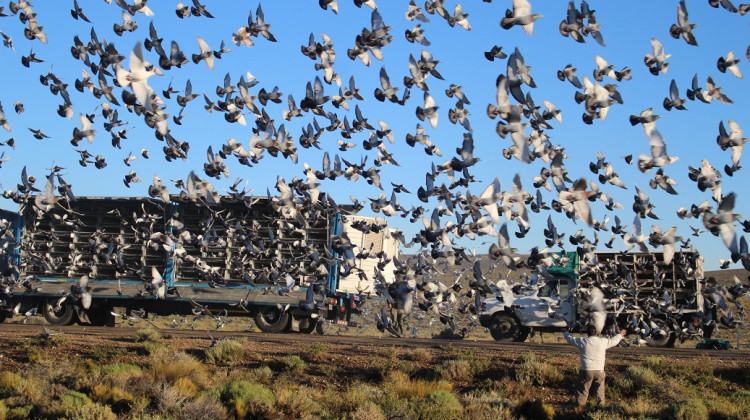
(368, 383)
(401, 385)
(170, 366)
(225, 351)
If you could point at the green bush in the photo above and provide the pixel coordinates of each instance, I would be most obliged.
(262, 374)
(486, 405)
(9, 383)
(293, 364)
(73, 400)
(297, 402)
(247, 391)
(170, 366)
(20, 413)
(202, 408)
(92, 412)
(225, 351)
(456, 370)
(655, 363)
(119, 368)
(368, 410)
(315, 351)
(438, 405)
(248, 399)
(146, 334)
(639, 379)
(532, 371)
(690, 409)
(339, 404)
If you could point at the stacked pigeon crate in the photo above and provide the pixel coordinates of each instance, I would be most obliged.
(84, 236)
(239, 242)
(651, 279)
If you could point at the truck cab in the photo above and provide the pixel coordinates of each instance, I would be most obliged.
(511, 313)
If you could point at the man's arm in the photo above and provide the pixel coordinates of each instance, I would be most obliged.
(570, 339)
(616, 339)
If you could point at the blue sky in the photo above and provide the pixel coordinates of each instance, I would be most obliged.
(627, 29)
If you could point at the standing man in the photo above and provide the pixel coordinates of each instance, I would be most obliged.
(593, 353)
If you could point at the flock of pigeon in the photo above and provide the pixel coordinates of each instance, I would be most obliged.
(123, 82)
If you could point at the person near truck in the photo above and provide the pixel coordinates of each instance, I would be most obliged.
(593, 353)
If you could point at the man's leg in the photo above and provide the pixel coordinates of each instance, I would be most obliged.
(598, 377)
(585, 377)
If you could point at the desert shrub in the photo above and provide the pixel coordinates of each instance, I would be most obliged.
(402, 386)
(340, 403)
(41, 341)
(532, 371)
(153, 347)
(146, 334)
(643, 406)
(456, 370)
(119, 399)
(383, 365)
(262, 374)
(734, 407)
(690, 409)
(225, 351)
(92, 412)
(247, 399)
(186, 387)
(637, 379)
(293, 364)
(22, 412)
(9, 383)
(486, 405)
(296, 402)
(202, 408)
(437, 405)
(655, 363)
(106, 352)
(169, 399)
(169, 366)
(72, 400)
(118, 372)
(316, 351)
(419, 354)
(535, 409)
(368, 410)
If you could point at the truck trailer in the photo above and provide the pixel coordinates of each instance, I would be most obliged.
(641, 292)
(76, 260)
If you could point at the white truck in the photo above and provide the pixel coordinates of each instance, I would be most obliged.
(642, 294)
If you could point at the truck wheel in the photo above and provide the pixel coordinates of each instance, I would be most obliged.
(504, 327)
(270, 319)
(661, 340)
(523, 334)
(307, 325)
(60, 316)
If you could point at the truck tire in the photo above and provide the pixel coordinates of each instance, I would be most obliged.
(61, 316)
(307, 325)
(665, 340)
(269, 319)
(505, 327)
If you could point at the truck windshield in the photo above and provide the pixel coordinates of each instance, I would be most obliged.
(557, 288)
